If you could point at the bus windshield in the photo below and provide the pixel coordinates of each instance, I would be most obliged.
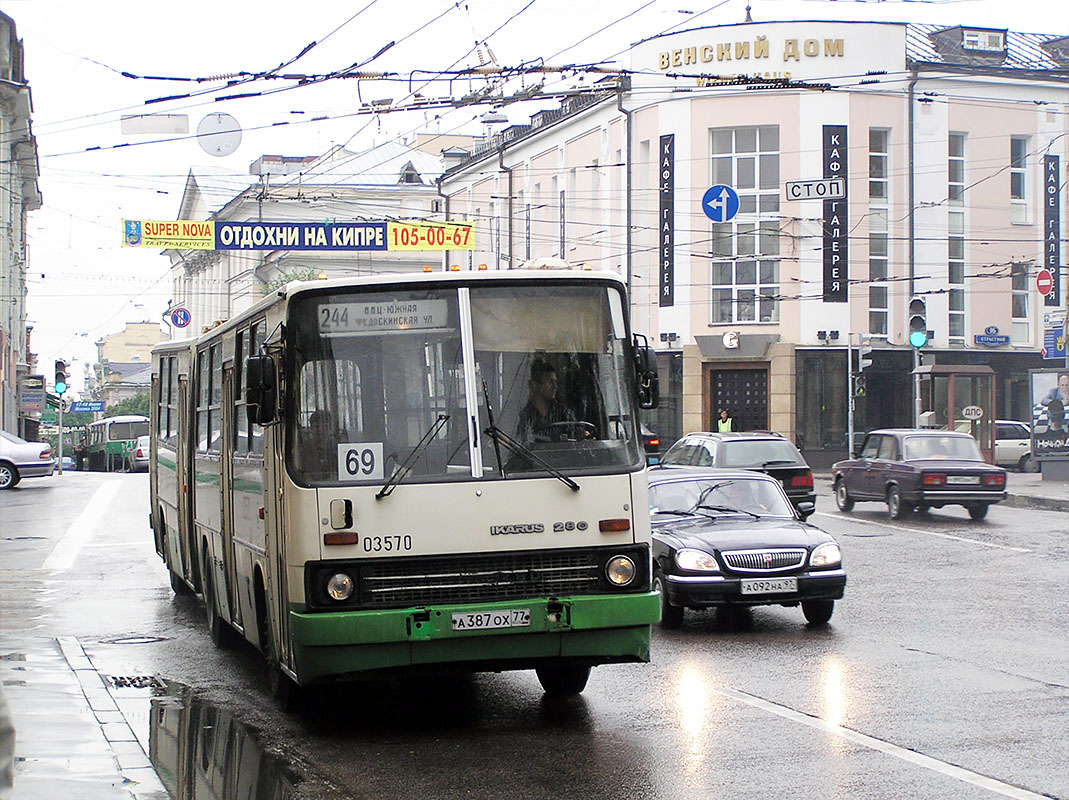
(382, 379)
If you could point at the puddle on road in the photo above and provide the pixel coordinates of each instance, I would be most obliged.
(200, 752)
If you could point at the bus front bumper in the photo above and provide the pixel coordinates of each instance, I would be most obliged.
(595, 630)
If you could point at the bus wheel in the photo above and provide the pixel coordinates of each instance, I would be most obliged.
(178, 585)
(222, 634)
(563, 680)
(281, 686)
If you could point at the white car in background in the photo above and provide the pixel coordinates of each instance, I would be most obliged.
(1013, 445)
(21, 459)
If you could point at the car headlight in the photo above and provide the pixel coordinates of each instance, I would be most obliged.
(339, 586)
(827, 555)
(697, 560)
(620, 570)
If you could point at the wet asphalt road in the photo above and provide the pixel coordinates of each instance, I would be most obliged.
(944, 673)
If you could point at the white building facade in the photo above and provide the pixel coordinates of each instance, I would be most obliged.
(953, 147)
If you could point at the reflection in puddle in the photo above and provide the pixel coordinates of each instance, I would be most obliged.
(201, 752)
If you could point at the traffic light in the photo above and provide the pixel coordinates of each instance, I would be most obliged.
(859, 385)
(60, 384)
(864, 348)
(918, 324)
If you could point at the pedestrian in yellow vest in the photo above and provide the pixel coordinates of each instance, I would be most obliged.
(726, 423)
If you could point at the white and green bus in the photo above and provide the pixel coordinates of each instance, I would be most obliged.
(368, 475)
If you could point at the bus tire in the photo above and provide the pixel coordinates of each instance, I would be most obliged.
(223, 636)
(563, 680)
(179, 585)
(281, 686)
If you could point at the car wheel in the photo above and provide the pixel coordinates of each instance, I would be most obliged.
(818, 612)
(977, 510)
(671, 616)
(897, 508)
(563, 680)
(1029, 464)
(842, 498)
(9, 476)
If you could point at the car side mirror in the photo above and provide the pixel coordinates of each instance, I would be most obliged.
(261, 389)
(649, 384)
(805, 510)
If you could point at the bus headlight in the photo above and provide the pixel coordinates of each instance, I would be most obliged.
(339, 586)
(620, 570)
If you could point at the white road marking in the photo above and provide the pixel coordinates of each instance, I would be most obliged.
(81, 530)
(912, 756)
(926, 533)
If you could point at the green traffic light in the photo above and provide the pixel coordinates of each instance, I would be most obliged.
(918, 338)
(61, 388)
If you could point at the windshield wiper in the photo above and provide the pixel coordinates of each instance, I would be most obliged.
(490, 418)
(400, 473)
(729, 510)
(499, 435)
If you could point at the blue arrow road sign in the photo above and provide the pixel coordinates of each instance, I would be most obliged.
(720, 203)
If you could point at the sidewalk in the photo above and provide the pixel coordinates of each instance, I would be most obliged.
(1023, 490)
(71, 738)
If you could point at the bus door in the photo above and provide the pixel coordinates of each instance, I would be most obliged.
(226, 483)
(274, 490)
(184, 473)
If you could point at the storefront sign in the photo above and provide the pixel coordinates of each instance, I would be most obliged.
(1052, 229)
(991, 337)
(666, 228)
(31, 394)
(836, 223)
(415, 235)
(1053, 344)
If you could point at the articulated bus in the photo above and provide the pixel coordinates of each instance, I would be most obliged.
(368, 476)
(111, 439)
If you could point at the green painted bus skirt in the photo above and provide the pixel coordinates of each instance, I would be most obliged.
(597, 630)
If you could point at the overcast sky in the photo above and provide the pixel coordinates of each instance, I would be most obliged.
(84, 285)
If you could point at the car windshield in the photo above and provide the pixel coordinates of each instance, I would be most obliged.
(751, 495)
(959, 448)
(758, 452)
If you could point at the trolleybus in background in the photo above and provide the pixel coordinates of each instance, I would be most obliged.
(345, 472)
(111, 438)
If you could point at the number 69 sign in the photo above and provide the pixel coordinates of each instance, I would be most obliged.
(360, 461)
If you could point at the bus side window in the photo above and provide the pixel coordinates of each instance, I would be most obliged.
(256, 432)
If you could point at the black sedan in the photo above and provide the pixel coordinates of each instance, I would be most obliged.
(732, 538)
(919, 469)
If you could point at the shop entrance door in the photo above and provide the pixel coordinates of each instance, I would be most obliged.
(743, 392)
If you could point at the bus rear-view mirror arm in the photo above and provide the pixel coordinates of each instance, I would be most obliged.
(261, 389)
(649, 385)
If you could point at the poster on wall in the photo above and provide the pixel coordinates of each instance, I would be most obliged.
(1050, 414)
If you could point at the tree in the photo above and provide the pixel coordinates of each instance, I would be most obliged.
(138, 404)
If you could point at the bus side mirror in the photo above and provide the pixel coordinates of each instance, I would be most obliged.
(261, 389)
(649, 385)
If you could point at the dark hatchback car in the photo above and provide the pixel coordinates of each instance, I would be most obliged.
(919, 469)
(731, 538)
(766, 452)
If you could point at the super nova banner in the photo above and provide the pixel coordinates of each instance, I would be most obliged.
(413, 235)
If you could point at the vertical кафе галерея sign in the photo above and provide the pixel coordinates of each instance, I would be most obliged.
(836, 270)
(666, 227)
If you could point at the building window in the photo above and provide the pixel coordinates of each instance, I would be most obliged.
(956, 169)
(1019, 303)
(1018, 179)
(745, 252)
(747, 159)
(956, 275)
(878, 310)
(879, 140)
